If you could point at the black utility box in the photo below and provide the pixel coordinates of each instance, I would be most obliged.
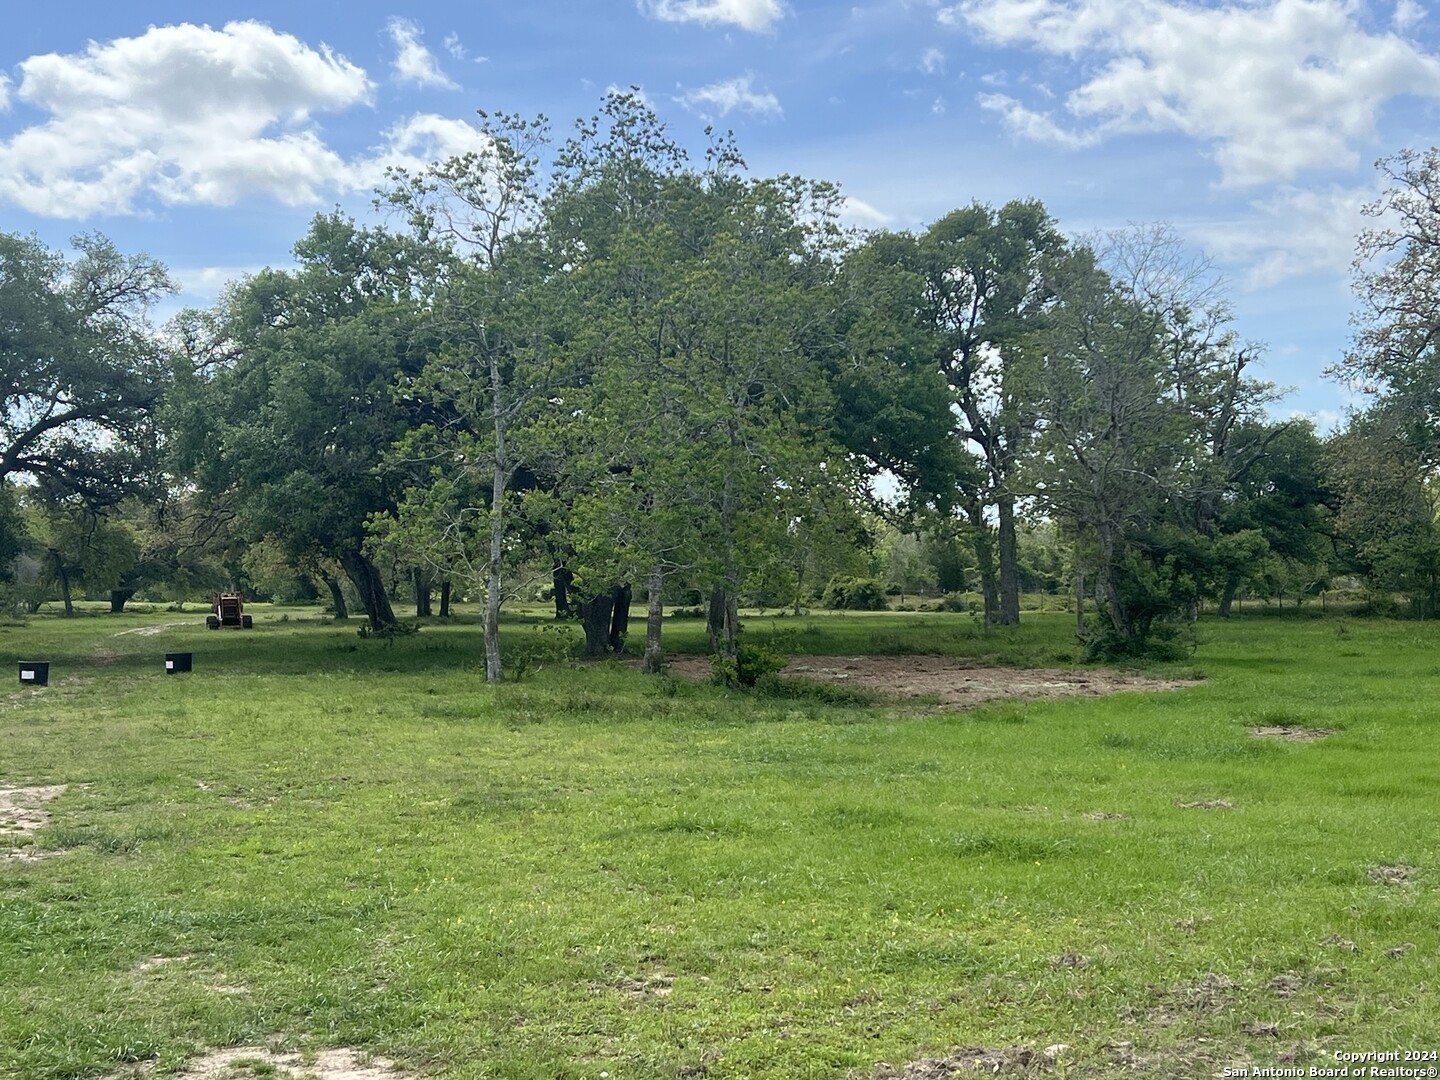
(176, 662)
(34, 672)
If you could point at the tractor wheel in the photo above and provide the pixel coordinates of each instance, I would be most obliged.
(246, 622)
(212, 622)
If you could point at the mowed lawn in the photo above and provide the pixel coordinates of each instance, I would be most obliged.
(317, 841)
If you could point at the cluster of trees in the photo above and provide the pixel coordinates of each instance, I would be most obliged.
(639, 375)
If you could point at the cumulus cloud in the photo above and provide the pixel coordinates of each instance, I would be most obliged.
(414, 63)
(932, 61)
(1407, 14)
(725, 97)
(189, 115)
(4, 93)
(753, 15)
(1276, 88)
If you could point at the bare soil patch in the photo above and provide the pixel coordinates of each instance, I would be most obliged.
(1391, 875)
(151, 631)
(954, 681)
(21, 815)
(977, 1060)
(1292, 734)
(253, 1062)
(1207, 804)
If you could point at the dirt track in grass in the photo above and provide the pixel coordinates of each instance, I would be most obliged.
(955, 682)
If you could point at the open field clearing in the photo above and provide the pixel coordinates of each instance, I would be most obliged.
(323, 856)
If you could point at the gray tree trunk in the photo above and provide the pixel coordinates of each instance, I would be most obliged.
(370, 587)
(494, 670)
(1008, 551)
(654, 620)
(595, 616)
(337, 595)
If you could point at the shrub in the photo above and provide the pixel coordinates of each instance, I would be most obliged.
(749, 664)
(856, 594)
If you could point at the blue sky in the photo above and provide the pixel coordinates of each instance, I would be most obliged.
(207, 134)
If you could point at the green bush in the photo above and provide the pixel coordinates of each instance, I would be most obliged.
(749, 665)
(855, 594)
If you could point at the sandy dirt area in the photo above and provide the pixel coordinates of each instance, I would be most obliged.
(955, 682)
(21, 814)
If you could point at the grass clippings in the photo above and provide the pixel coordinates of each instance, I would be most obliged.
(1391, 875)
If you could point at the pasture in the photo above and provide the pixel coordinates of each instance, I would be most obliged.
(315, 843)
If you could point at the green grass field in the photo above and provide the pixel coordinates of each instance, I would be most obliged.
(318, 841)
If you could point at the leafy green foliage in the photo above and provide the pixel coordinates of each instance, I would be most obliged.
(855, 594)
(750, 663)
(81, 370)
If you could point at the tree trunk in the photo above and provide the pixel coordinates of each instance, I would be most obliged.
(445, 599)
(595, 616)
(337, 595)
(1009, 563)
(1079, 601)
(620, 597)
(370, 586)
(560, 578)
(1107, 596)
(985, 562)
(732, 621)
(494, 671)
(1232, 586)
(654, 620)
(421, 581)
(715, 618)
(64, 579)
(118, 599)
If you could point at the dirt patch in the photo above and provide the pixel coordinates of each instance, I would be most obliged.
(1107, 815)
(151, 631)
(1338, 942)
(1292, 734)
(977, 1060)
(21, 815)
(251, 1062)
(656, 984)
(1207, 804)
(1391, 875)
(954, 681)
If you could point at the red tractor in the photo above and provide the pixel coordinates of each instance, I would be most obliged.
(228, 609)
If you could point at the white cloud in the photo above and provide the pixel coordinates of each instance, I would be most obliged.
(1276, 88)
(1407, 14)
(189, 115)
(183, 114)
(938, 106)
(4, 93)
(725, 97)
(414, 143)
(932, 61)
(414, 63)
(753, 15)
(1038, 126)
(860, 213)
(1296, 231)
(455, 47)
(208, 282)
